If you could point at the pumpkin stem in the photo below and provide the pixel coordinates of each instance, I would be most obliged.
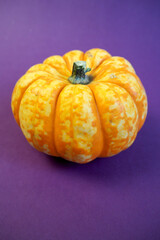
(78, 73)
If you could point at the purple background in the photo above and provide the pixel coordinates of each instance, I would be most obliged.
(47, 198)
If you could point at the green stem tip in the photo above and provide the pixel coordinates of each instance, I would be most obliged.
(78, 73)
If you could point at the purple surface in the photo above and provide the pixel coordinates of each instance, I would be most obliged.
(48, 198)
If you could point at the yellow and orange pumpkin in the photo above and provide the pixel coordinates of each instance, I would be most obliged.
(65, 109)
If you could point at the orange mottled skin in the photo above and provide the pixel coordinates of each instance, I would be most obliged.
(75, 121)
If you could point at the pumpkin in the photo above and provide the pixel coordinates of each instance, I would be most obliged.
(80, 106)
